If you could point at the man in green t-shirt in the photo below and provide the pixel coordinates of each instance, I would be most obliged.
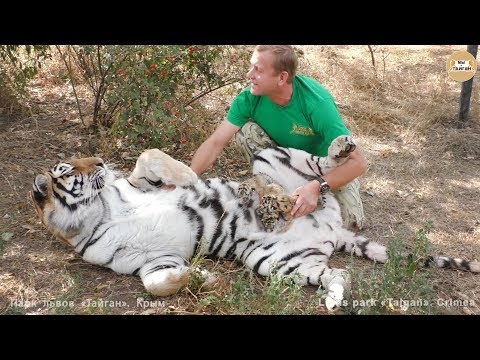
(290, 110)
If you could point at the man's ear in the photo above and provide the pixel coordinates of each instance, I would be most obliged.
(283, 77)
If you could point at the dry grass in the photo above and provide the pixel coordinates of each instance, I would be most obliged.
(422, 166)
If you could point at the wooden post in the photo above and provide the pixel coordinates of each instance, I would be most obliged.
(467, 89)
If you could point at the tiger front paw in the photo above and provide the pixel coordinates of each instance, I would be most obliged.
(341, 147)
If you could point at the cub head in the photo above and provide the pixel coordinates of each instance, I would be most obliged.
(60, 192)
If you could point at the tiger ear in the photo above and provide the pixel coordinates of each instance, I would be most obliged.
(40, 185)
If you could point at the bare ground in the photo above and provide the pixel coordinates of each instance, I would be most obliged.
(415, 174)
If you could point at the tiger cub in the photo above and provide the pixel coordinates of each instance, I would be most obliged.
(274, 205)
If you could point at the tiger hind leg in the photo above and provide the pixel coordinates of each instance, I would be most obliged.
(337, 284)
(361, 246)
(162, 280)
(155, 169)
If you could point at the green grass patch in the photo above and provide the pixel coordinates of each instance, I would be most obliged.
(400, 286)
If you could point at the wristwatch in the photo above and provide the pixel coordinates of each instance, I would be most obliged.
(324, 187)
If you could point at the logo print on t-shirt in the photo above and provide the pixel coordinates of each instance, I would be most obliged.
(301, 130)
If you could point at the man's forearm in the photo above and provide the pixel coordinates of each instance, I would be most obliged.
(355, 166)
(204, 157)
(208, 152)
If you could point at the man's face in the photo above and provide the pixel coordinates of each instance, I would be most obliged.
(263, 77)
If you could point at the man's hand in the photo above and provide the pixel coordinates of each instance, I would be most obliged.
(308, 195)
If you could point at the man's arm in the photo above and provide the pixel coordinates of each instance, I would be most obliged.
(308, 194)
(211, 148)
(355, 166)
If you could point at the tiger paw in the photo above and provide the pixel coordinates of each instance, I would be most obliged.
(341, 147)
(334, 297)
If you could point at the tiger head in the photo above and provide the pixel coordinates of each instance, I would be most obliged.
(58, 193)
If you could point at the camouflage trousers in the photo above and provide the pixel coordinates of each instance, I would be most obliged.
(251, 139)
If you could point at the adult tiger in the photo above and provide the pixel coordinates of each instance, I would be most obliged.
(153, 222)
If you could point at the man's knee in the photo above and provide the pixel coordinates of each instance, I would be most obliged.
(351, 205)
(251, 139)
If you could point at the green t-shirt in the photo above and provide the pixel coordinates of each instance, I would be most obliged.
(310, 122)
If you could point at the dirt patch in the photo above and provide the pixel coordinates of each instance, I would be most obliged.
(414, 176)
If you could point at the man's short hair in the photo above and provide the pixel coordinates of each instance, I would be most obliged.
(285, 58)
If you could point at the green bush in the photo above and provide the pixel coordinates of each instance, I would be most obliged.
(142, 92)
(18, 65)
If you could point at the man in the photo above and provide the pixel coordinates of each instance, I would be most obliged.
(292, 111)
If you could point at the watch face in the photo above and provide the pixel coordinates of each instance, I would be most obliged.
(324, 187)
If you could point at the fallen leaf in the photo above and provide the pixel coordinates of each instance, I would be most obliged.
(386, 153)
(20, 205)
(102, 286)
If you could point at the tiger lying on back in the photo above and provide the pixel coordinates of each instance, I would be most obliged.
(153, 222)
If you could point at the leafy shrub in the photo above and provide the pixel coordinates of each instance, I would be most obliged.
(142, 92)
(19, 64)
